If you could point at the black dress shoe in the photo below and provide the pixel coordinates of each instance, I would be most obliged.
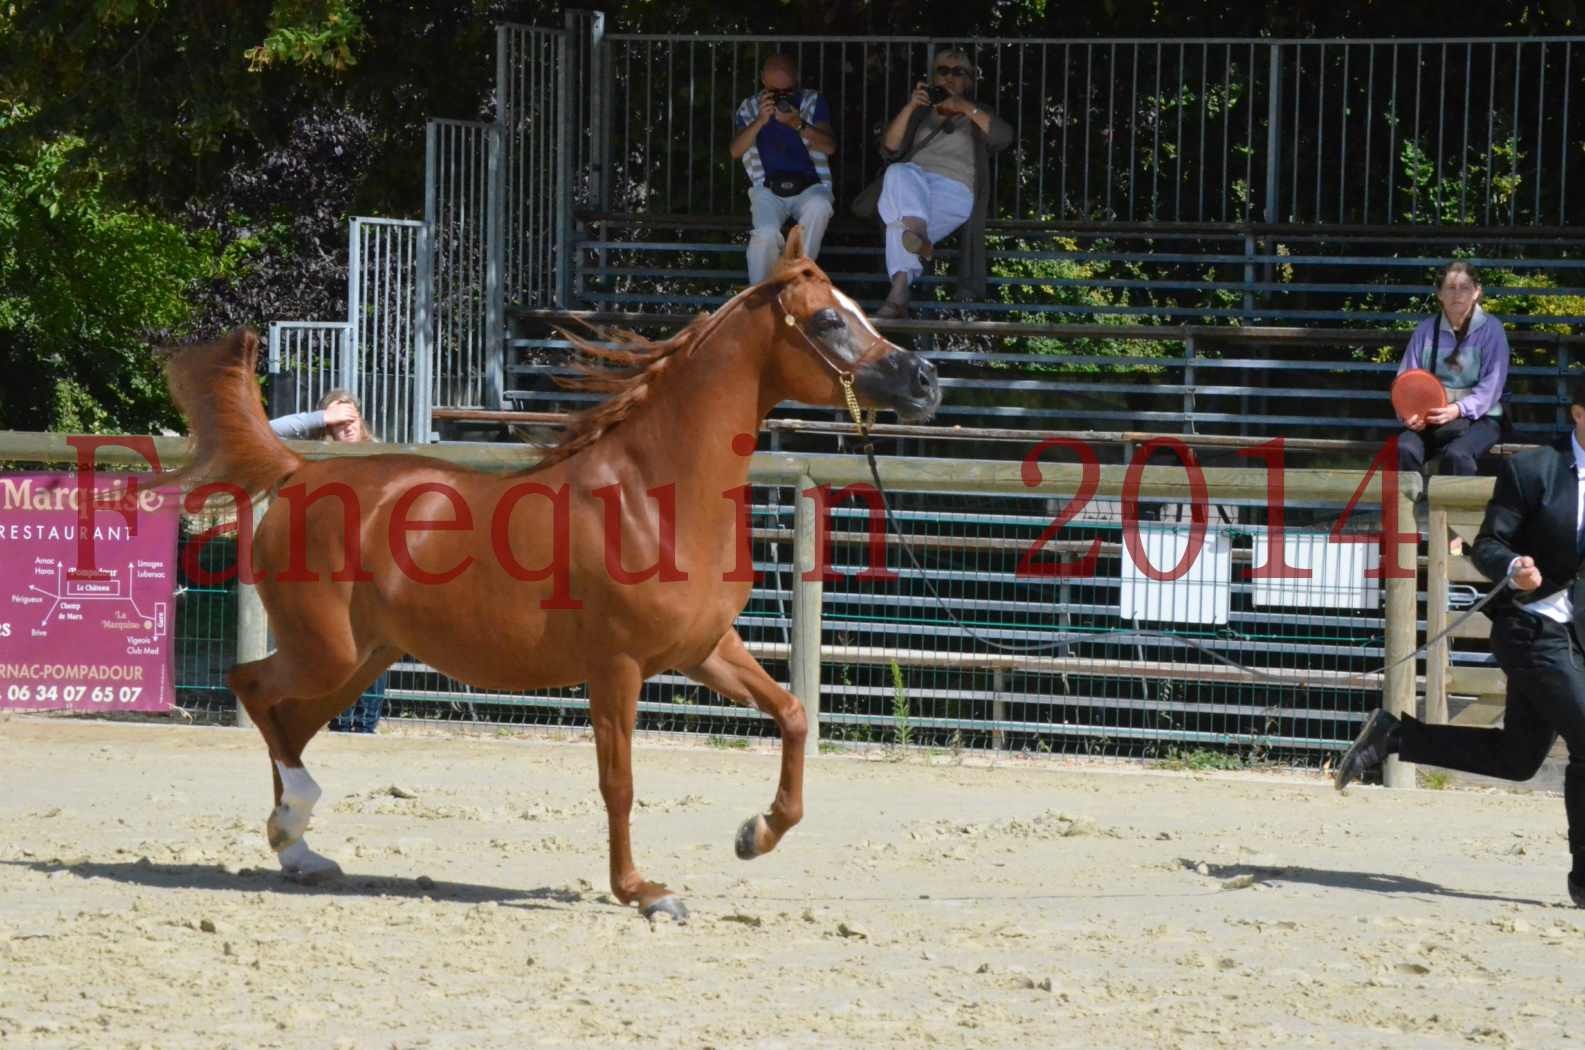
(1576, 890)
(1370, 749)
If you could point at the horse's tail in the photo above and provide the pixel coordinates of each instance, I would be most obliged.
(216, 388)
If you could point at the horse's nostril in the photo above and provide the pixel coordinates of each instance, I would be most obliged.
(925, 378)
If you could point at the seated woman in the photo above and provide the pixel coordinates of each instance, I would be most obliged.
(1465, 348)
(943, 181)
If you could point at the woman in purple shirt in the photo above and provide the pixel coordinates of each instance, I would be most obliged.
(1466, 349)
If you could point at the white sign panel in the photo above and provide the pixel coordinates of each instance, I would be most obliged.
(1336, 573)
(1199, 596)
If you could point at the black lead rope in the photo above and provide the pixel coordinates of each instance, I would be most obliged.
(1072, 637)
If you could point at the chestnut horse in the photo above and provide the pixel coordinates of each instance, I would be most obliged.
(527, 581)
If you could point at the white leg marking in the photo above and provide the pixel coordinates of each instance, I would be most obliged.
(288, 824)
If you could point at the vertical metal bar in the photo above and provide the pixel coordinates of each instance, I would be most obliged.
(1513, 164)
(1491, 126)
(349, 360)
(1540, 129)
(1205, 85)
(1227, 122)
(1441, 131)
(423, 320)
(691, 111)
(649, 102)
(1419, 77)
(1177, 176)
(1249, 142)
(564, 132)
(1392, 140)
(1298, 127)
(1273, 132)
(1062, 193)
(1342, 167)
(1089, 77)
(492, 370)
(1040, 136)
(1018, 183)
(1370, 120)
(1134, 129)
(1156, 127)
(671, 130)
(1111, 126)
(1320, 124)
(1562, 182)
(1463, 153)
(601, 87)
(714, 120)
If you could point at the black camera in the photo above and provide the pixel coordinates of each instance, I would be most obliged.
(786, 101)
(937, 93)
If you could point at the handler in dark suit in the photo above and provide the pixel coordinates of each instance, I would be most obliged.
(1534, 535)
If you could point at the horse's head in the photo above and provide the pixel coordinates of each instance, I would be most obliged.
(823, 338)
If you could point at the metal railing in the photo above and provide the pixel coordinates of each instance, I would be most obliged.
(388, 362)
(460, 162)
(1212, 130)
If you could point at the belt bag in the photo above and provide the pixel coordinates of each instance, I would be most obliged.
(786, 185)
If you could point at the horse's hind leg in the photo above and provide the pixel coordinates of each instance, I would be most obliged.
(734, 673)
(613, 708)
(264, 688)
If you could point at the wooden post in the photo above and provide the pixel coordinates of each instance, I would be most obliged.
(1438, 658)
(998, 708)
(804, 660)
(253, 626)
(1402, 620)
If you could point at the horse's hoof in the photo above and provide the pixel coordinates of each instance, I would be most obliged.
(747, 838)
(668, 905)
(302, 865)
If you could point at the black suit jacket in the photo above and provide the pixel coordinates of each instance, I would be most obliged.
(1533, 510)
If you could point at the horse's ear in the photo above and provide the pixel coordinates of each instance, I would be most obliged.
(795, 244)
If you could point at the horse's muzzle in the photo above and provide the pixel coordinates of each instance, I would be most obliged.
(904, 382)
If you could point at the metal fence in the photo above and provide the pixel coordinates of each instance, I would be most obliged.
(388, 363)
(1214, 130)
(307, 360)
(460, 158)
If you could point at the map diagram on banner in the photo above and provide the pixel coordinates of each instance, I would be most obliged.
(69, 597)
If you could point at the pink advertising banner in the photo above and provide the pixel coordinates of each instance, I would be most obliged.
(86, 627)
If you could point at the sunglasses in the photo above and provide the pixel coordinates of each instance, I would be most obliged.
(953, 71)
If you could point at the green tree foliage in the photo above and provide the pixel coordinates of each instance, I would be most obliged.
(85, 284)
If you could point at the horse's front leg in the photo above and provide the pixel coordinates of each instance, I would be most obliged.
(731, 671)
(613, 708)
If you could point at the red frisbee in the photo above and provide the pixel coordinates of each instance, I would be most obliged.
(1416, 392)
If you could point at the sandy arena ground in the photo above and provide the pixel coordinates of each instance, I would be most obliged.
(921, 903)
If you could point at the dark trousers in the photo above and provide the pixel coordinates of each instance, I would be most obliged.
(1461, 443)
(1546, 698)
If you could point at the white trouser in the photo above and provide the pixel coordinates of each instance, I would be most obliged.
(811, 209)
(909, 190)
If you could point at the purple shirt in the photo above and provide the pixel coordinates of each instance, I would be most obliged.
(1483, 360)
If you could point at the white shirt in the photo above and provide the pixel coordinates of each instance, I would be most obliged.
(1560, 606)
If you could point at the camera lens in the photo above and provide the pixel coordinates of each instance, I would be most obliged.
(937, 94)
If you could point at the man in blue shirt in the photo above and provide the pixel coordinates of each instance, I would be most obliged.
(784, 139)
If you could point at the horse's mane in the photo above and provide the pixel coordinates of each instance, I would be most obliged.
(626, 371)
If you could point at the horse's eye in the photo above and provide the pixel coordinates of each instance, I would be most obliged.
(826, 321)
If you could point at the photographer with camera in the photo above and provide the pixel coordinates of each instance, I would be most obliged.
(784, 138)
(939, 144)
